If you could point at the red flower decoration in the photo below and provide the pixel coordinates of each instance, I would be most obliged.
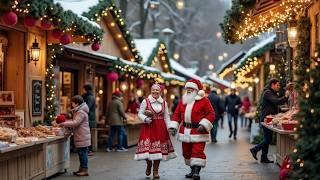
(112, 76)
(60, 119)
(65, 39)
(10, 18)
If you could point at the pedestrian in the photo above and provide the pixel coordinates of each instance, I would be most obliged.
(245, 108)
(233, 104)
(196, 115)
(218, 109)
(154, 142)
(81, 132)
(90, 100)
(224, 112)
(116, 120)
(270, 106)
(175, 103)
(133, 105)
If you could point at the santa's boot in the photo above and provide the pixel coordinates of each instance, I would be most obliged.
(156, 169)
(190, 175)
(196, 173)
(149, 166)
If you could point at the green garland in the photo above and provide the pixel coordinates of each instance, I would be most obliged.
(258, 53)
(154, 54)
(50, 110)
(54, 13)
(233, 19)
(306, 155)
(96, 12)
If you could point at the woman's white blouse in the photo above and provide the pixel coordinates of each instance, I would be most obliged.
(157, 107)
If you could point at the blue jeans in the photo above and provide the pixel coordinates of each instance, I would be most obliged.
(264, 145)
(233, 117)
(121, 136)
(83, 157)
(214, 130)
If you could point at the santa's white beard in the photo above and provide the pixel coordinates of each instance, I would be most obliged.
(188, 98)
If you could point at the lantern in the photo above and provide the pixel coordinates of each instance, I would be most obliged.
(34, 52)
(112, 76)
(10, 18)
(293, 34)
(29, 21)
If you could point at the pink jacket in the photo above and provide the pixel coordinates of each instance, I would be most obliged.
(80, 125)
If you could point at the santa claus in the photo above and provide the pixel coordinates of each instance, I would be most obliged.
(196, 115)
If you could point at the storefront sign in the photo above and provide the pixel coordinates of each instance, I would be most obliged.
(36, 98)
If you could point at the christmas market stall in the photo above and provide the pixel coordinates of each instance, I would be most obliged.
(29, 43)
(301, 125)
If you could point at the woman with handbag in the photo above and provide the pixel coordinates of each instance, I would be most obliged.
(154, 143)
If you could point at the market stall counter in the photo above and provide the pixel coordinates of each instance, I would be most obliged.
(285, 141)
(133, 129)
(32, 157)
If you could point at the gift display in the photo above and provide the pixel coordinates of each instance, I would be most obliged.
(283, 121)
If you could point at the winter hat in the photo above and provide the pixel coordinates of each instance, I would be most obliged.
(195, 84)
(117, 93)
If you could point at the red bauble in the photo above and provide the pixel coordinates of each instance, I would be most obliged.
(284, 174)
(10, 18)
(57, 33)
(112, 76)
(60, 119)
(29, 21)
(45, 24)
(95, 46)
(139, 83)
(65, 39)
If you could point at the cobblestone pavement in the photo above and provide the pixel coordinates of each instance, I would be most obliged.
(227, 160)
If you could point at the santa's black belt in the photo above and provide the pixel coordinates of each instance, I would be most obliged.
(190, 125)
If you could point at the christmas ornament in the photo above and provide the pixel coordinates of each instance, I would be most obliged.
(45, 24)
(95, 46)
(10, 18)
(139, 83)
(65, 39)
(29, 21)
(112, 76)
(57, 33)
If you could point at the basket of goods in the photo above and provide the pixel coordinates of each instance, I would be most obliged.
(268, 119)
(60, 118)
(7, 134)
(289, 125)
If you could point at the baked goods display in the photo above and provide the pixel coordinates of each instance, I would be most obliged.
(7, 134)
(284, 121)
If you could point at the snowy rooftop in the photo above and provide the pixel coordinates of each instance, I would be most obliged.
(79, 7)
(232, 60)
(217, 80)
(182, 70)
(146, 47)
(257, 46)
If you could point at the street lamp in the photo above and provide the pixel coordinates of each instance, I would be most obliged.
(167, 32)
(180, 4)
(220, 58)
(211, 66)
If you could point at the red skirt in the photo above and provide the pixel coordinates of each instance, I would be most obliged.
(154, 142)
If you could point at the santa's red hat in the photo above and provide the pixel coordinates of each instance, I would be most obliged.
(195, 84)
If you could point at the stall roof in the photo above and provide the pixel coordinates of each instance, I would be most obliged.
(146, 47)
(233, 60)
(219, 81)
(177, 67)
(255, 48)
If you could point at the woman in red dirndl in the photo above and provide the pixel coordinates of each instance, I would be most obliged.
(154, 143)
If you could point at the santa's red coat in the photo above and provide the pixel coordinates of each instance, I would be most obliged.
(199, 112)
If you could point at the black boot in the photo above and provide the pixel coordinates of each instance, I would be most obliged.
(190, 175)
(196, 173)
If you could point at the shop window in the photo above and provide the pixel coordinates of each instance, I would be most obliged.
(68, 88)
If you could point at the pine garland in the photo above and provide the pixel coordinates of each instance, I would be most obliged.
(306, 155)
(50, 110)
(103, 7)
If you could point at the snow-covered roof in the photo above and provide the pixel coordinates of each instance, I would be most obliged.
(146, 47)
(79, 7)
(232, 60)
(217, 80)
(172, 76)
(182, 70)
(257, 46)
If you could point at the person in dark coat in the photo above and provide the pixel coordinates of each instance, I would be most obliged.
(90, 100)
(219, 110)
(270, 106)
(233, 104)
(175, 104)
